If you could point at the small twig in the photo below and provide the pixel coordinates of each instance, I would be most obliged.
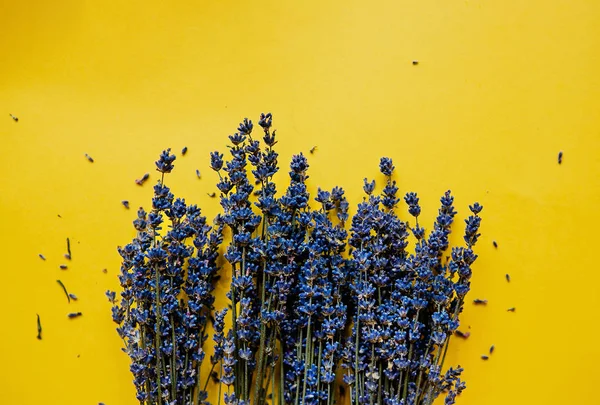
(64, 289)
(39, 327)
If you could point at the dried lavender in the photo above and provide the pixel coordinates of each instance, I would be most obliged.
(406, 305)
(320, 310)
(294, 289)
(163, 310)
(244, 254)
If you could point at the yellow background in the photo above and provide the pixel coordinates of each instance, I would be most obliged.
(501, 87)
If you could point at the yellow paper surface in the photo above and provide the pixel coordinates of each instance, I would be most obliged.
(500, 88)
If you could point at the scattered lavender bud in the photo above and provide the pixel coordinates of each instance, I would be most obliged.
(479, 302)
(484, 357)
(415, 62)
(104, 271)
(89, 158)
(141, 181)
(495, 244)
(198, 173)
(63, 266)
(513, 309)
(111, 295)
(67, 256)
(73, 297)
(15, 119)
(42, 256)
(59, 215)
(74, 314)
(212, 195)
(460, 334)
(508, 277)
(560, 156)
(184, 151)
(492, 349)
(125, 203)
(313, 149)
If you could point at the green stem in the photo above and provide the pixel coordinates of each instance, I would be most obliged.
(220, 375)
(158, 352)
(209, 374)
(259, 365)
(281, 374)
(308, 349)
(372, 367)
(299, 357)
(234, 328)
(444, 355)
(407, 373)
(246, 382)
(319, 367)
(173, 371)
(379, 385)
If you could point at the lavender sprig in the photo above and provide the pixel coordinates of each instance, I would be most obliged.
(164, 334)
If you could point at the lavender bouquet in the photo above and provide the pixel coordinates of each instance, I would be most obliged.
(316, 311)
